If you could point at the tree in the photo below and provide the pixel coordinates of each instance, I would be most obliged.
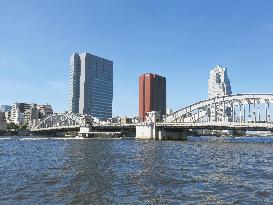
(24, 127)
(12, 125)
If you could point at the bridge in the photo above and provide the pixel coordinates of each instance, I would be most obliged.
(233, 112)
(232, 108)
(62, 122)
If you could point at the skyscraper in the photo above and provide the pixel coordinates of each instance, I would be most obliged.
(152, 94)
(91, 85)
(219, 85)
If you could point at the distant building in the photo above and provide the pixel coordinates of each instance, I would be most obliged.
(152, 94)
(29, 114)
(5, 108)
(219, 85)
(18, 117)
(125, 120)
(169, 111)
(7, 116)
(3, 123)
(90, 85)
(17, 113)
(44, 110)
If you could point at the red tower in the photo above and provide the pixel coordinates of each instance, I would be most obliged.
(152, 94)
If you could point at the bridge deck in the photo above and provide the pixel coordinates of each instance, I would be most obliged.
(218, 126)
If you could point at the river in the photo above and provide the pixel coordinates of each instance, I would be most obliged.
(202, 170)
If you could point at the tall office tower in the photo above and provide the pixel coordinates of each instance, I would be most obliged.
(152, 94)
(74, 83)
(219, 85)
(91, 85)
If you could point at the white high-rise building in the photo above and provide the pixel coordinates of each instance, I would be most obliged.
(219, 85)
(90, 85)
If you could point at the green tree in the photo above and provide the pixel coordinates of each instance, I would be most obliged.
(12, 125)
(24, 127)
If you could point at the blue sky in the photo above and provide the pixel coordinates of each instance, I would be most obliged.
(181, 40)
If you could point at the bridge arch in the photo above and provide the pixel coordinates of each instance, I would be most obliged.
(62, 121)
(230, 108)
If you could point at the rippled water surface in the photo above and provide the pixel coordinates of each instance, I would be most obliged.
(94, 171)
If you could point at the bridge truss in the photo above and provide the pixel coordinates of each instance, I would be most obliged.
(62, 121)
(241, 108)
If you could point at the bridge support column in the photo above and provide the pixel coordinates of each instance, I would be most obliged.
(146, 131)
(85, 130)
(168, 134)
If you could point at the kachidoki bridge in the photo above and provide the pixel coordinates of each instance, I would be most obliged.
(233, 112)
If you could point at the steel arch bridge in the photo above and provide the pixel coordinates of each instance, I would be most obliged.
(62, 121)
(250, 110)
(240, 108)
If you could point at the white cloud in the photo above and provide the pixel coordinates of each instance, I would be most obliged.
(55, 83)
(269, 27)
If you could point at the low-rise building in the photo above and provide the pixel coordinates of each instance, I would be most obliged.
(18, 110)
(29, 114)
(3, 123)
(8, 116)
(125, 120)
(18, 117)
(44, 110)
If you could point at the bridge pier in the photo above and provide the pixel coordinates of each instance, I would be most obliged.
(149, 130)
(146, 131)
(167, 134)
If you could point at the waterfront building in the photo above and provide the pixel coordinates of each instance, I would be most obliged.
(44, 111)
(3, 123)
(18, 117)
(152, 94)
(17, 112)
(91, 85)
(29, 114)
(5, 108)
(126, 120)
(36, 113)
(218, 86)
(8, 116)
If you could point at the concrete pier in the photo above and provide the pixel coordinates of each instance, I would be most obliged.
(148, 130)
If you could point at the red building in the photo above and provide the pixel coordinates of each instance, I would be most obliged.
(152, 94)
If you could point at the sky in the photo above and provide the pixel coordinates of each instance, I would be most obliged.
(179, 39)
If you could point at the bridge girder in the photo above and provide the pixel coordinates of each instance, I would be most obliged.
(218, 105)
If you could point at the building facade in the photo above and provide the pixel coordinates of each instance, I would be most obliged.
(28, 114)
(152, 94)
(18, 113)
(5, 108)
(90, 85)
(3, 123)
(219, 83)
(218, 86)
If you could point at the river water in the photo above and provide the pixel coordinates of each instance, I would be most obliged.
(202, 170)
